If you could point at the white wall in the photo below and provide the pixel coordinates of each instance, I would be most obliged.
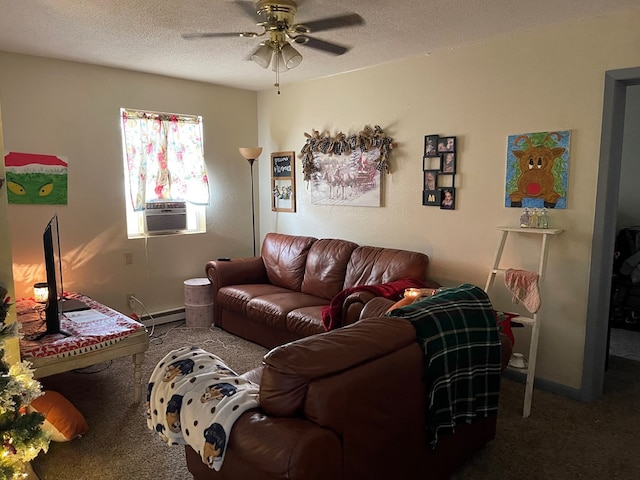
(549, 79)
(6, 273)
(72, 110)
(546, 80)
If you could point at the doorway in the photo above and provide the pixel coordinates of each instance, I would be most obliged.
(604, 229)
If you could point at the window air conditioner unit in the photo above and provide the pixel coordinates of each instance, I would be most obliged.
(165, 217)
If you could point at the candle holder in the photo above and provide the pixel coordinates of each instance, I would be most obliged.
(417, 293)
(41, 292)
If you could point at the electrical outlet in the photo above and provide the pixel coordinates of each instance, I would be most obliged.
(128, 258)
(131, 301)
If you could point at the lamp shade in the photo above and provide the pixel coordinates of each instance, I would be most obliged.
(250, 153)
(262, 56)
(277, 62)
(290, 56)
(41, 292)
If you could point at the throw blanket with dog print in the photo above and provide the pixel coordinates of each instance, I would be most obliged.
(193, 398)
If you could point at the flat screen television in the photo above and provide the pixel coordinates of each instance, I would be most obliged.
(57, 304)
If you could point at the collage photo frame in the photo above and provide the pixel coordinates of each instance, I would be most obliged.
(439, 167)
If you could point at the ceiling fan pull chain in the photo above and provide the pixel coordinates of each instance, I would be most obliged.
(277, 60)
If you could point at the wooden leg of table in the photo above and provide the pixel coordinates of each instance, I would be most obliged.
(138, 358)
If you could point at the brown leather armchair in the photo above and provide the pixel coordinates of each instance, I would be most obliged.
(346, 404)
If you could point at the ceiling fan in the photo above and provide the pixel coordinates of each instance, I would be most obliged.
(278, 24)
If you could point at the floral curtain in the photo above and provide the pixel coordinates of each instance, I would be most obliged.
(164, 158)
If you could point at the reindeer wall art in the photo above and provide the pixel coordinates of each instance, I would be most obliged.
(346, 169)
(538, 170)
(347, 179)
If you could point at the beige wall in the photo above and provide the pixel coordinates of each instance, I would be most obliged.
(538, 81)
(543, 80)
(6, 273)
(72, 110)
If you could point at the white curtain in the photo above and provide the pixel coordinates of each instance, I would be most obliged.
(164, 158)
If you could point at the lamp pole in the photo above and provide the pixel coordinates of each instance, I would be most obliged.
(253, 208)
(251, 154)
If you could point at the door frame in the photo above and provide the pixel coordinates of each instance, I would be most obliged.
(604, 229)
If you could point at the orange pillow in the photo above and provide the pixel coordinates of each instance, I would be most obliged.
(62, 420)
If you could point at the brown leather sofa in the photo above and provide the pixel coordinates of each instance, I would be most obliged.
(343, 405)
(278, 297)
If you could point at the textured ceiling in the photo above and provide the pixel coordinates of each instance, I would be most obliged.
(145, 35)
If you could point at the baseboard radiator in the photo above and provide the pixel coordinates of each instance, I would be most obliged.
(164, 316)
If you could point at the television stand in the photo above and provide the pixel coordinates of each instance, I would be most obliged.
(83, 343)
(35, 337)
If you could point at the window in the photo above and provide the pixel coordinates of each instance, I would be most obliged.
(165, 175)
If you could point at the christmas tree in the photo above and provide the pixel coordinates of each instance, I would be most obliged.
(21, 433)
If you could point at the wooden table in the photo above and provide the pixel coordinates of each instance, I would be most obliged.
(97, 335)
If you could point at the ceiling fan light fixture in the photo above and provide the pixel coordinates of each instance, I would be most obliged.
(277, 63)
(262, 56)
(290, 56)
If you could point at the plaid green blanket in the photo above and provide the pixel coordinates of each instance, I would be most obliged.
(458, 333)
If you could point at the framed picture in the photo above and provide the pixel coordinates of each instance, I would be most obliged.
(448, 164)
(545, 186)
(431, 145)
(431, 198)
(446, 144)
(448, 198)
(282, 164)
(350, 179)
(283, 195)
(430, 179)
(431, 163)
(283, 182)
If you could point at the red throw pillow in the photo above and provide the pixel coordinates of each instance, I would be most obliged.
(504, 323)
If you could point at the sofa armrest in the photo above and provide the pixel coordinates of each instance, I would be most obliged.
(376, 307)
(353, 305)
(236, 272)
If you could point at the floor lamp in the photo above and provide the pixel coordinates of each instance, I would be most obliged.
(251, 154)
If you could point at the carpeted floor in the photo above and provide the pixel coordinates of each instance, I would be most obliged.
(119, 445)
(565, 439)
(562, 439)
(625, 343)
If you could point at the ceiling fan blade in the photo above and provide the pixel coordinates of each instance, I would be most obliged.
(320, 44)
(192, 36)
(249, 8)
(349, 20)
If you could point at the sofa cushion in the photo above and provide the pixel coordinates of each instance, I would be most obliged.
(376, 265)
(305, 321)
(285, 257)
(236, 297)
(273, 309)
(326, 267)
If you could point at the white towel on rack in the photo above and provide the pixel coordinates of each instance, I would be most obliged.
(523, 285)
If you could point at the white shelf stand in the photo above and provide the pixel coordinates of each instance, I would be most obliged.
(534, 320)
